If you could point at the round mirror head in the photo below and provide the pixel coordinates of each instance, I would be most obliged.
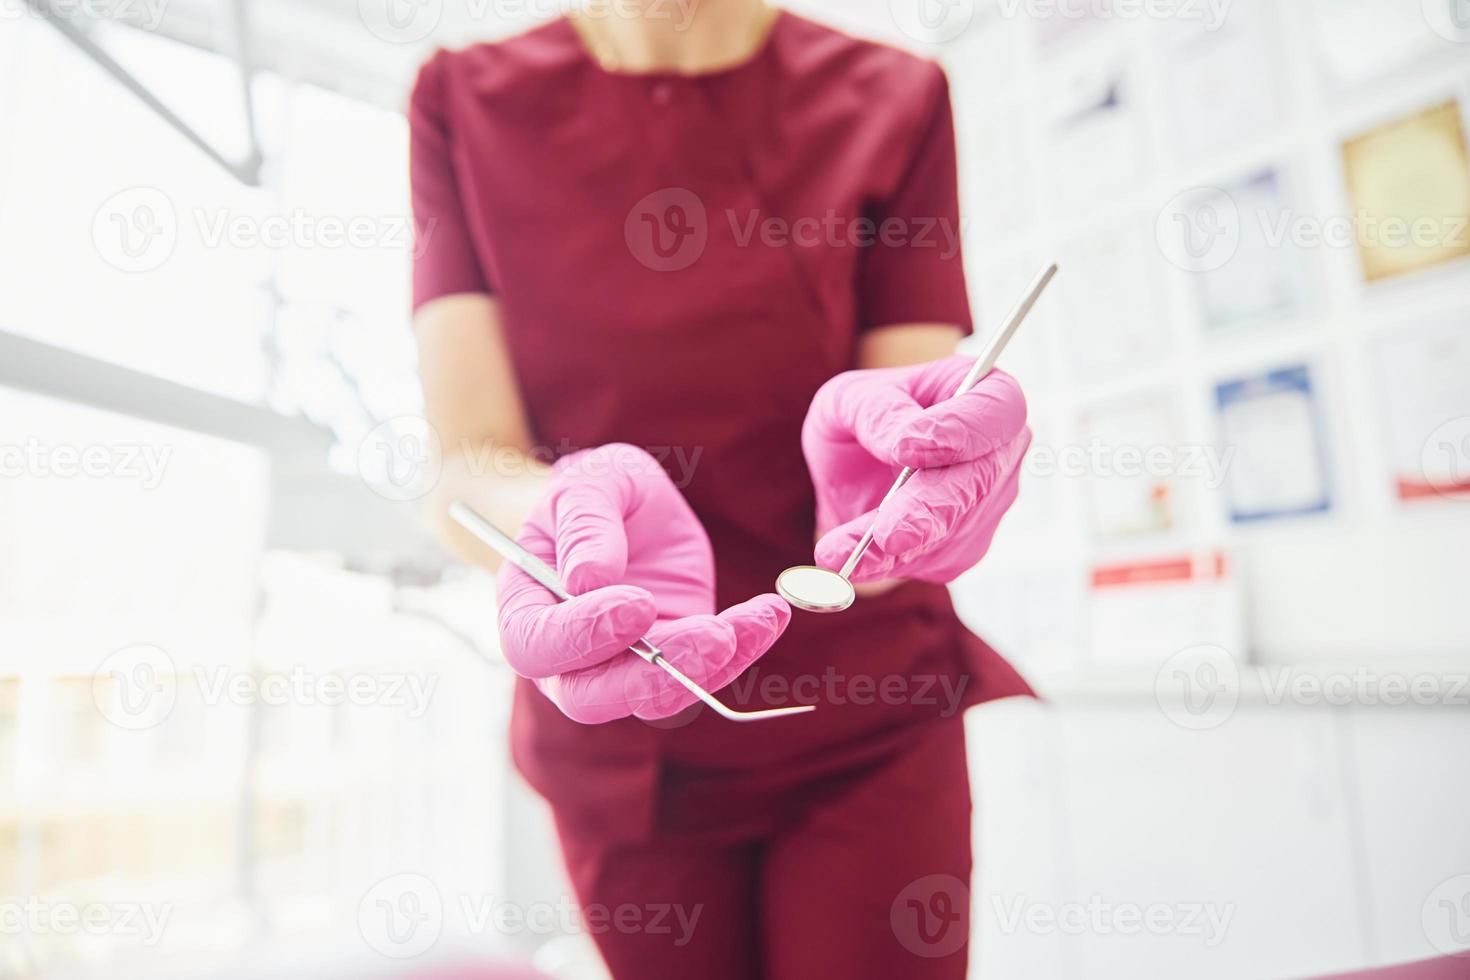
(818, 590)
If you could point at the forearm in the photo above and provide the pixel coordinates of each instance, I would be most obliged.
(500, 482)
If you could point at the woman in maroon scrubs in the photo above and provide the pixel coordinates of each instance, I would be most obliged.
(642, 231)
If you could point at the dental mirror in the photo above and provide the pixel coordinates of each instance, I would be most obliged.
(815, 589)
(821, 590)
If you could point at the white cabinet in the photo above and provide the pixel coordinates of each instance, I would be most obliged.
(1013, 771)
(1113, 844)
(1411, 775)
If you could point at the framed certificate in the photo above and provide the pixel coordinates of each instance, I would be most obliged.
(1271, 434)
(1424, 376)
(1408, 183)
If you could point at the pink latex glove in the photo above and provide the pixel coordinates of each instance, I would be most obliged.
(865, 426)
(638, 562)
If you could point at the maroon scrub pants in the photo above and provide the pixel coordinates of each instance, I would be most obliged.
(855, 865)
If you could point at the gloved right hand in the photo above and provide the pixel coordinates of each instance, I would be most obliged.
(638, 563)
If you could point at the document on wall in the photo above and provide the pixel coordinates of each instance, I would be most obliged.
(997, 171)
(1132, 447)
(1360, 40)
(1270, 427)
(1424, 376)
(1110, 299)
(1142, 612)
(1223, 83)
(1263, 277)
(1064, 22)
(1093, 138)
(1408, 183)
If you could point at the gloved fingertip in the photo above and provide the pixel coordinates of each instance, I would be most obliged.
(770, 610)
(899, 538)
(583, 574)
(833, 549)
(923, 452)
(631, 611)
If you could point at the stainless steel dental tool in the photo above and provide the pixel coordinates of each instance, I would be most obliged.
(507, 548)
(821, 590)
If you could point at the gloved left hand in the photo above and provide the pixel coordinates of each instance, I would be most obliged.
(638, 563)
(864, 426)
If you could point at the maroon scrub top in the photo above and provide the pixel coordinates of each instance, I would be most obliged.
(681, 261)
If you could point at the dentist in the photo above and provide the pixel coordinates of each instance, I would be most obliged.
(724, 234)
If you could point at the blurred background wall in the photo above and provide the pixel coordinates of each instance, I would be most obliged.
(245, 705)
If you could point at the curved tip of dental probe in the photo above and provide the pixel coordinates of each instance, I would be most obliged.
(730, 714)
